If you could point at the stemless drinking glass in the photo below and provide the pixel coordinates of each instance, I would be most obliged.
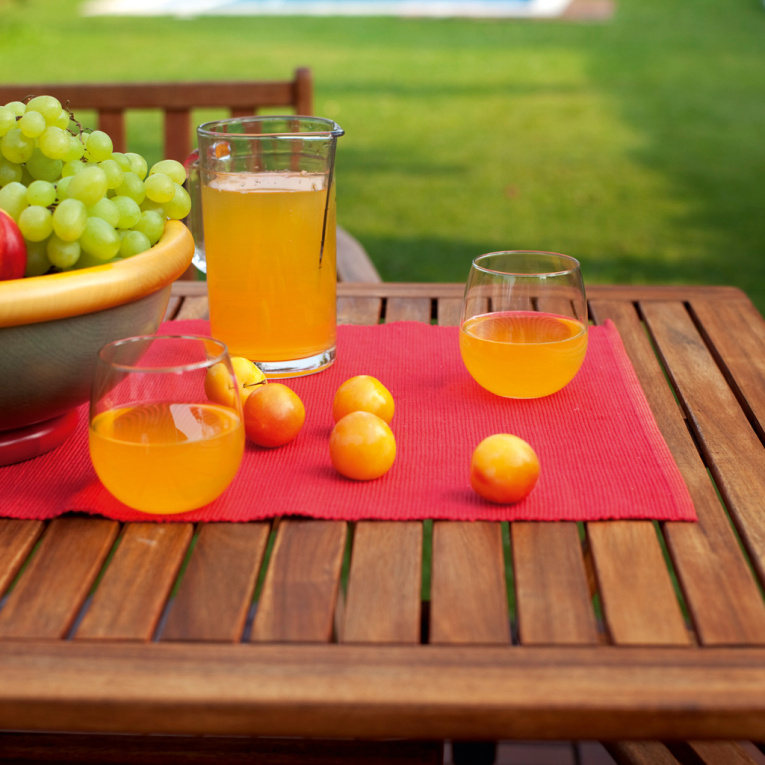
(523, 332)
(157, 442)
(268, 237)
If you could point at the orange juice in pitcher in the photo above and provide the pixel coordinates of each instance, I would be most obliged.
(271, 279)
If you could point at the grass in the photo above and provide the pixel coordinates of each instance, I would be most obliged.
(635, 145)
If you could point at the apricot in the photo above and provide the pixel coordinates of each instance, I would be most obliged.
(504, 469)
(273, 415)
(220, 387)
(362, 446)
(363, 393)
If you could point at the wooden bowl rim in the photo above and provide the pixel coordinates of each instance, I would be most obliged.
(73, 293)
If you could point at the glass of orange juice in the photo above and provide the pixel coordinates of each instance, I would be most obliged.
(157, 442)
(523, 332)
(268, 238)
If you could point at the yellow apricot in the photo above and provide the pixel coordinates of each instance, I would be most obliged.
(362, 446)
(504, 469)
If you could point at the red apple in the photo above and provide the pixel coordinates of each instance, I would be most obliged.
(13, 249)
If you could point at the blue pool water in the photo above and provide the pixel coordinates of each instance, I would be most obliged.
(414, 8)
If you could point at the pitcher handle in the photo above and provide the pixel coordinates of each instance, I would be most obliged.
(194, 219)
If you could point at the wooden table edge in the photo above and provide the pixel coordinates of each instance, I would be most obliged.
(366, 691)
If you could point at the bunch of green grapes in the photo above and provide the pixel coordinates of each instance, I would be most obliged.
(76, 201)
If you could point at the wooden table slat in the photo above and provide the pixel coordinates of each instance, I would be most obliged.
(50, 593)
(383, 602)
(358, 310)
(417, 309)
(736, 330)
(449, 311)
(301, 586)
(214, 596)
(635, 587)
(17, 539)
(468, 591)
(735, 454)
(552, 594)
(723, 598)
(134, 590)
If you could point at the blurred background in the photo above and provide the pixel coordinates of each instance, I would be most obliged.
(634, 143)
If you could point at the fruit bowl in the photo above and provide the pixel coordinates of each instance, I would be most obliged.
(52, 327)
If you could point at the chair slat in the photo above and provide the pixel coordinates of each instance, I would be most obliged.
(43, 603)
(300, 590)
(178, 134)
(213, 599)
(112, 122)
(132, 595)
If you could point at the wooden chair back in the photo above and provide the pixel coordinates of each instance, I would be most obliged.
(176, 101)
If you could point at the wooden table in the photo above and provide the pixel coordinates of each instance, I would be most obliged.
(609, 630)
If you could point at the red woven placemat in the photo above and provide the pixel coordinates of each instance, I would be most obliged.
(601, 452)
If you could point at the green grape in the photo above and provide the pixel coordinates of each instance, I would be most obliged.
(130, 212)
(72, 168)
(159, 188)
(61, 187)
(62, 253)
(16, 147)
(38, 262)
(99, 239)
(54, 142)
(114, 173)
(99, 146)
(10, 171)
(43, 168)
(41, 193)
(48, 106)
(32, 124)
(69, 220)
(75, 151)
(147, 204)
(17, 107)
(180, 205)
(35, 223)
(7, 120)
(131, 186)
(122, 161)
(89, 185)
(13, 198)
(133, 243)
(137, 164)
(63, 120)
(170, 167)
(152, 224)
(106, 210)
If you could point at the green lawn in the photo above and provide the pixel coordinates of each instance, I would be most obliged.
(637, 145)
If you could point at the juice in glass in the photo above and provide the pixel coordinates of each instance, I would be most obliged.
(165, 457)
(522, 354)
(272, 286)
